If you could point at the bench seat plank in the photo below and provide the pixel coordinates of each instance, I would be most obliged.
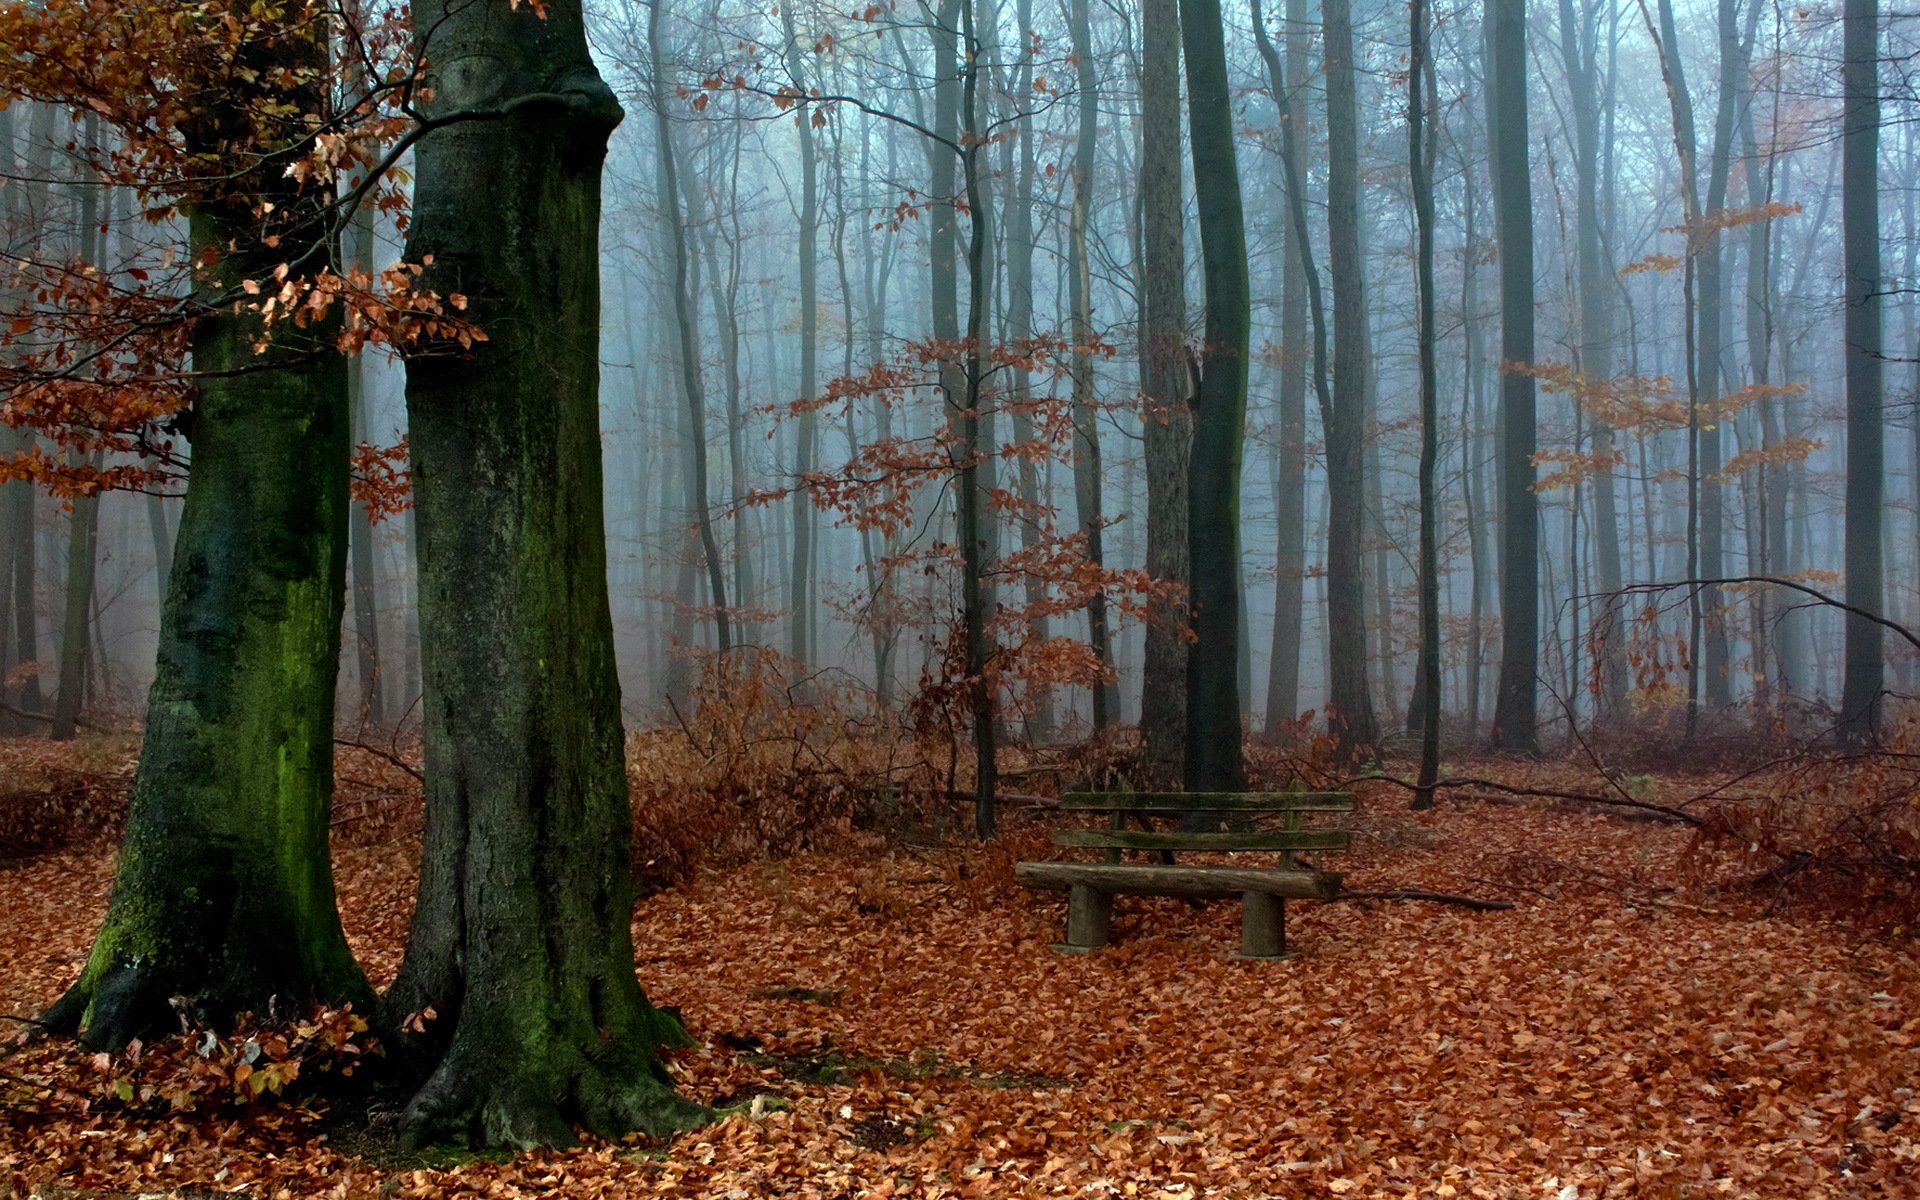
(1181, 802)
(1254, 839)
(1197, 883)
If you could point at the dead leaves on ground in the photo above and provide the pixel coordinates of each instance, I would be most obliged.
(1626, 1039)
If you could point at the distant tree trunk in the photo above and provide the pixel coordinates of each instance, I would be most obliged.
(1019, 243)
(801, 608)
(693, 390)
(84, 510)
(1711, 372)
(975, 478)
(1767, 539)
(876, 271)
(1866, 485)
(1352, 704)
(1290, 498)
(1472, 420)
(23, 204)
(223, 892)
(522, 938)
(82, 532)
(1166, 386)
(366, 597)
(1514, 713)
(1302, 283)
(1680, 101)
(1086, 452)
(18, 610)
(1579, 39)
(1420, 174)
(1214, 736)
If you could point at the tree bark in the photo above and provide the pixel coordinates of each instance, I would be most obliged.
(1166, 386)
(1214, 736)
(1351, 700)
(1860, 699)
(1514, 713)
(522, 937)
(1420, 175)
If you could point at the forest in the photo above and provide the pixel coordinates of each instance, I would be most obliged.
(579, 577)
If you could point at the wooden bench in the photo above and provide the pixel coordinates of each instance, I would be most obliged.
(1263, 891)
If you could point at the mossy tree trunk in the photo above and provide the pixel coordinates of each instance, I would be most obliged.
(521, 940)
(224, 889)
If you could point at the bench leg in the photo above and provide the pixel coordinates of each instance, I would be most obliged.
(1263, 926)
(1089, 913)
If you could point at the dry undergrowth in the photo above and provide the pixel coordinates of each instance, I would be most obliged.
(1630, 1028)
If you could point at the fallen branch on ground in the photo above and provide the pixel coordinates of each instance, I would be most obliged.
(387, 756)
(1472, 902)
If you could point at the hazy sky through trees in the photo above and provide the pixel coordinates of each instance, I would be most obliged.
(1611, 393)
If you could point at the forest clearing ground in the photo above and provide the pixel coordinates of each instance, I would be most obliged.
(1623, 1030)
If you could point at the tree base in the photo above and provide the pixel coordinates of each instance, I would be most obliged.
(490, 1100)
(108, 1008)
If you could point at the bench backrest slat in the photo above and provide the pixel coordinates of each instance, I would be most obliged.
(1257, 839)
(1183, 802)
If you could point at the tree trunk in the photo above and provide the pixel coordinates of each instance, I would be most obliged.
(1165, 384)
(1579, 39)
(1717, 663)
(82, 532)
(1351, 702)
(1420, 174)
(522, 938)
(1019, 319)
(800, 611)
(1214, 736)
(1514, 706)
(1302, 284)
(975, 478)
(693, 389)
(1860, 699)
(1087, 479)
(1290, 496)
(224, 890)
(366, 596)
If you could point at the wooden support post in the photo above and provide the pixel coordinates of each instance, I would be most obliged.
(1089, 913)
(1263, 926)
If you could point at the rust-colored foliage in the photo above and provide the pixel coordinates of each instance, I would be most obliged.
(95, 322)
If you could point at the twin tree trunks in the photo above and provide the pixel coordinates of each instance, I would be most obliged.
(1262, 891)
(521, 944)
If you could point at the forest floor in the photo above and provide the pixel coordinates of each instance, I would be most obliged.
(1630, 1027)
